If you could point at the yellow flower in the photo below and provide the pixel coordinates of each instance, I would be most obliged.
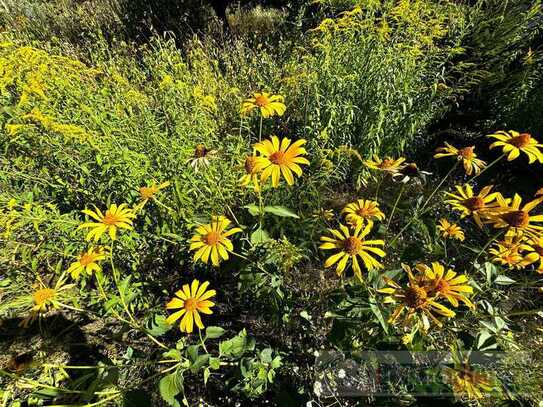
(147, 193)
(513, 143)
(450, 230)
(192, 300)
(87, 262)
(280, 158)
(414, 300)
(43, 299)
(467, 383)
(324, 214)
(269, 105)
(350, 247)
(469, 159)
(200, 158)
(449, 285)
(211, 241)
(363, 211)
(388, 164)
(508, 252)
(517, 220)
(46, 298)
(469, 204)
(252, 164)
(535, 247)
(115, 217)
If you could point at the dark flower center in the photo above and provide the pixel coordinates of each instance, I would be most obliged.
(352, 245)
(410, 170)
(516, 219)
(261, 101)
(250, 164)
(474, 203)
(521, 140)
(466, 152)
(212, 238)
(278, 158)
(415, 296)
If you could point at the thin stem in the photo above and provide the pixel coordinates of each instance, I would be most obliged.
(439, 185)
(490, 241)
(395, 205)
(202, 340)
(260, 130)
(487, 167)
(381, 178)
(445, 248)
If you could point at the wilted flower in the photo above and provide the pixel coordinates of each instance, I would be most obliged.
(388, 164)
(201, 157)
(467, 383)
(410, 172)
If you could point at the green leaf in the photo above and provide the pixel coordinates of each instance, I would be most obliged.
(199, 363)
(259, 236)
(504, 280)
(207, 373)
(280, 211)
(253, 209)
(377, 312)
(214, 332)
(170, 386)
(157, 325)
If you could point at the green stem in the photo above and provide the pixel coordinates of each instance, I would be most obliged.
(395, 205)
(260, 130)
(439, 185)
(202, 340)
(490, 241)
(381, 178)
(487, 167)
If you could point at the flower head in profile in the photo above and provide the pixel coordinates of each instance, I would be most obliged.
(408, 172)
(280, 158)
(350, 247)
(116, 217)
(201, 156)
(468, 384)
(466, 155)
(535, 253)
(468, 203)
(363, 211)
(190, 301)
(449, 285)
(267, 104)
(449, 230)
(87, 262)
(148, 192)
(323, 214)
(413, 301)
(509, 252)
(515, 217)
(252, 167)
(212, 241)
(390, 165)
(513, 143)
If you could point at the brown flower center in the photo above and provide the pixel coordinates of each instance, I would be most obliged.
(410, 170)
(261, 101)
(443, 286)
(212, 238)
(363, 212)
(538, 249)
(86, 259)
(467, 152)
(278, 158)
(352, 245)
(474, 203)
(516, 219)
(415, 296)
(387, 163)
(521, 140)
(191, 304)
(200, 151)
(43, 295)
(111, 219)
(250, 164)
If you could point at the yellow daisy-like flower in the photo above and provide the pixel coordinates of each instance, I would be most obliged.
(268, 105)
(467, 383)
(535, 247)
(252, 173)
(211, 241)
(115, 217)
(450, 230)
(87, 262)
(363, 211)
(508, 252)
(44, 299)
(147, 193)
(469, 204)
(351, 247)
(449, 285)
(513, 143)
(192, 300)
(515, 218)
(280, 157)
(414, 300)
(388, 164)
(469, 159)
